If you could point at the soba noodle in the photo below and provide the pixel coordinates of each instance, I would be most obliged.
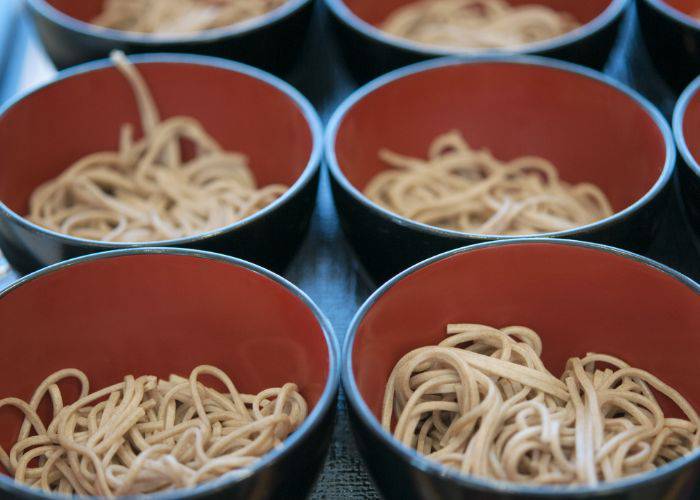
(482, 402)
(477, 24)
(179, 16)
(149, 190)
(146, 434)
(469, 190)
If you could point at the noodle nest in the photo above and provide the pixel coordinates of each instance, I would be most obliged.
(180, 16)
(150, 189)
(468, 190)
(483, 403)
(476, 24)
(146, 434)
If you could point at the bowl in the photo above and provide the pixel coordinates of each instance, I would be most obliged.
(579, 297)
(686, 128)
(672, 38)
(192, 308)
(591, 127)
(272, 41)
(245, 109)
(369, 52)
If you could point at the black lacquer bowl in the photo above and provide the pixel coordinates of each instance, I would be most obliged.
(82, 110)
(590, 127)
(579, 297)
(672, 37)
(370, 52)
(686, 128)
(272, 41)
(191, 308)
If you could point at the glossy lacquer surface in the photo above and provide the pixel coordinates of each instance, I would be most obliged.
(244, 109)
(591, 128)
(191, 308)
(324, 267)
(672, 37)
(579, 298)
(686, 128)
(369, 52)
(272, 42)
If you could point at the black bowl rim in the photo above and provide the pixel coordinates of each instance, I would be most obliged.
(674, 14)
(612, 12)
(243, 28)
(678, 121)
(307, 110)
(324, 404)
(369, 421)
(538, 61)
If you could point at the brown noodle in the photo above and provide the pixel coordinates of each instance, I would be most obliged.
(469, 190)
(482, 402)
(478, 24)
(146, 434)
(180, 16)
(148, 191)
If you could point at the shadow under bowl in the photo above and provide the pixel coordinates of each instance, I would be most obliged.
(686, 128)
(590, 127)
(370, 52)
(579, 297)
(246, 110)
(191, 308)
(672, 37)
(272, 41)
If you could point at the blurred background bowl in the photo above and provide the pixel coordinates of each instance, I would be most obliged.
(272, 41)
(577, 296)
(686, 128)
(590, 127)
(672, 37)
(370, 52)
(192, 308)
(81, 111)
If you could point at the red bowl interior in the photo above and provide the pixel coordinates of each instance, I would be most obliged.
(577, 299)
(591, 131)
(689, 7)
(85, 10)
(188, 311)
(48, 130)
(691, 125)
(374, 12)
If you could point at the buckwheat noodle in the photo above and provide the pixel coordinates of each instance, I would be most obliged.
(476, 24)
(482, 402)
(146, 434)
(149, 190)
(469, 190)
(179, 16)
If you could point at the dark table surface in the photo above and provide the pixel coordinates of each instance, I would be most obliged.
(324, 267)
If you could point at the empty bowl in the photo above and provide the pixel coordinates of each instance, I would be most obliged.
(590, 127)
(370, 52)
(272, 41)
(672, 37)
(579, 297)
(43, 132)
(686, 128)
(191, 308)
